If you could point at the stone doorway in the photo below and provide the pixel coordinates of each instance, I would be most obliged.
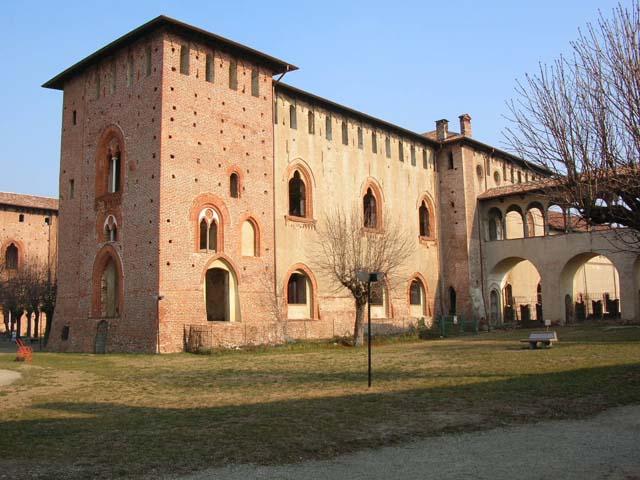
(217, 295)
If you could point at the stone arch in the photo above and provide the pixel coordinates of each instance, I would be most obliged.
(249, 247)
(591, 300)
(313, 308)
(220, 289)
(536, 220)
(495, 224)
(111, 144)
(201, 203)
(521, 276)
(515, 226)
(107, 290)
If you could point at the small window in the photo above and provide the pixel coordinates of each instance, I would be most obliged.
(387, 147)
(65, 333)
(47, 220)
(72, 188)
(233, 74)
(110, 229)
(255, 83)
(184, 59)
(400, 152)
(345, 133)
(519, 176)
(374, 142)
(413, 156)
(513, 175)
(496, 177)
(450, 159)
(293, 117)
(297, 289)
(147, 66)
(75, 117)
(425, 159)
(209, 68)
(360, 139)
(479, 172)
(312, 123)
(504, 170)
(130, 68)
(327, 125)
(234, 187)
(21, 218)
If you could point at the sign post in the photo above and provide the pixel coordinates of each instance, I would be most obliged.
(368, 278)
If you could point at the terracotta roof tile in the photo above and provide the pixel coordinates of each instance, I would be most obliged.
(28, 201)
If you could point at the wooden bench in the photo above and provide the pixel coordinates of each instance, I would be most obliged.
(544, 338)
(24, 353)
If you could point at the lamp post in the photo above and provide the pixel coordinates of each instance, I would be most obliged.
(368, 278)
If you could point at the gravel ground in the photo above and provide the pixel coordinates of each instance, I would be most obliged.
(7, 377)
(606, 446)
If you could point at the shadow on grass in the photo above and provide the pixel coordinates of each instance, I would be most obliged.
(106, 440)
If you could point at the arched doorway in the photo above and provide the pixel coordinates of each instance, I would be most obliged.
(221, 293)
(494, 307)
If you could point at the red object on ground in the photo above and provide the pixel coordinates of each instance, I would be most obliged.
(24, 353)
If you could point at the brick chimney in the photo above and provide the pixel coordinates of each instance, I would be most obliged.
(442, 129)
(465, 125)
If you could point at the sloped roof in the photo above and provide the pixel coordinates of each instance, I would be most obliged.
(28, 201)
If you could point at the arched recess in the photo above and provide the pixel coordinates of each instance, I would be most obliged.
(249, 238)
(199, 205)
(381, 300)
(298, 277)
(515, 281)
(372, 210)
(418, 296)
(495, 309)
(299, 200)
(590, 288)
(107, 284)
(514, 223)
(110, 162)
(495, 224)
(220, 288)
(425, 205)
(536, 224)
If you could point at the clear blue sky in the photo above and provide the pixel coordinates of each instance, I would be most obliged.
(410, 63)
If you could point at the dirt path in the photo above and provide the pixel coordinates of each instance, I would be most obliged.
(605, 446)
(7, 377)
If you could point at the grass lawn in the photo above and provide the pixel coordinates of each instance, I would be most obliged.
(88, 416)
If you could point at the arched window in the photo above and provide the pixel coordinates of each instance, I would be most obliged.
(297, 196)
(249, 241)
(425, 227)
(370, 210)
(495, 224)
(208, 235)
(110, 229)
(114, 173)
(293, 117)
(234, 185)
(415, 292)
(312, 122)
(11, 257)
(297, 289)
(450, 158)
(109, 163)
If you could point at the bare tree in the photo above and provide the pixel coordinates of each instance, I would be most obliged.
(346, 247)
(580, 119)
(273, 302)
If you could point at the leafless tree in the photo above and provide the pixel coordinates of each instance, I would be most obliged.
(580, 118)
(346, 247)
(273, 302)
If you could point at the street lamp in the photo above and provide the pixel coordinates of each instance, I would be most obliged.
(368, 278)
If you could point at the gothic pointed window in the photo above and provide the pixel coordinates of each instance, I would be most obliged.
(425, 227)
(11, 257)
(208, 223)
(370, 210)
(110, 229)
(234, 185)
(297, 196)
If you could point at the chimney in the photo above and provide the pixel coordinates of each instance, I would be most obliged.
(442, 129)
(465, 125)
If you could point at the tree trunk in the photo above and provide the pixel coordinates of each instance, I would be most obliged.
(29, 312)
(17, 315)
(358, 330)
(36, 324)
(47, 325)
